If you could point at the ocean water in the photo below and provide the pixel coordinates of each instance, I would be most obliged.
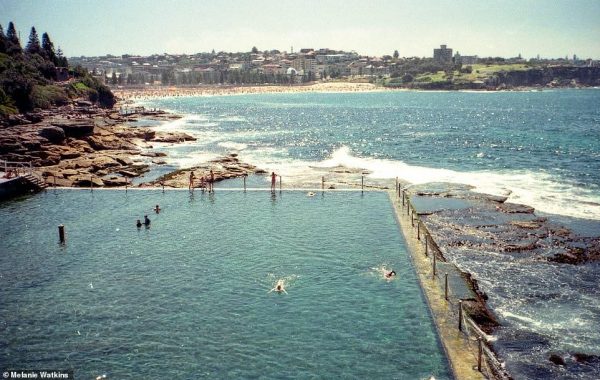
(542, 148)
(539, 148)
(189, 297)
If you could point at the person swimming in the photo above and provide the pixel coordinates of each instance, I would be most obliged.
(390, 274)
(138, 224)
(146, 220)
(279, 287)
(157, 209)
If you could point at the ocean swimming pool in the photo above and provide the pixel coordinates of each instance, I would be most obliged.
(189, 296)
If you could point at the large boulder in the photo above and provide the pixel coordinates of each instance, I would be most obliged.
(86, 181)
(75, 128)
(103, 162)
(172, 137)
(54, 134)
(109, 142)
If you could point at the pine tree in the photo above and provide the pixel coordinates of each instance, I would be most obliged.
(61, 60)
(396, 54)
(14, 45)
(48, 48)
(3, 41)
(33, 46)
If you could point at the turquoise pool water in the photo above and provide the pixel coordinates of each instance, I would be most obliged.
(189, 296)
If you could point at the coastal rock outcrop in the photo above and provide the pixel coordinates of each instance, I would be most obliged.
(75, 127)
(225, 167)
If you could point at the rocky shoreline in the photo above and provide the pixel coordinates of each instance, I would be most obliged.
(81, 145)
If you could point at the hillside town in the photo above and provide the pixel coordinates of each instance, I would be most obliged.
(305, 65)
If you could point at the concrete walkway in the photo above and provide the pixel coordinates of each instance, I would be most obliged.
(460, 349)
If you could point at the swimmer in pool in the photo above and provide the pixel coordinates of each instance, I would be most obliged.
(279, 287)
(390, 274)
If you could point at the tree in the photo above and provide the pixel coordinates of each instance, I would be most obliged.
(14, 45)
(33, 46)
(3, 41)
(407, 78)
(61, 60)
(396, 54)
(48, 48)
(254, 50)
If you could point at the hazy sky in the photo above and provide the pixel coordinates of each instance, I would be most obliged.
(550, 28)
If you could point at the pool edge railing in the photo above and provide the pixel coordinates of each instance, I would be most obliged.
(488, 362)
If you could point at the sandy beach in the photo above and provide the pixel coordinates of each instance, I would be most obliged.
(216, 90)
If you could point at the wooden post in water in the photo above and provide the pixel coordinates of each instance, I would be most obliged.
(362, 183)
(54, 176)
(61, 233)
(280, 180)
(245, 175)
(434, 264)
(323, 183)
(480, 345)
(126, 183)
(91, 184)
(446, 286)
(460, 311)
(418, 230)
(396, 184)
(426, 245)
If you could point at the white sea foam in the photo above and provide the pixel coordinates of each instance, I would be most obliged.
(232, 145)
(182, 123)
(536, 189)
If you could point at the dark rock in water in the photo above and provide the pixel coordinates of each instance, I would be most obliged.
(513, 208)
(260, 171)
(557, 359)
(586, 358)
(153, 154)
(55, 135)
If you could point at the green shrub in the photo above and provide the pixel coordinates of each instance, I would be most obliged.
(47, 96)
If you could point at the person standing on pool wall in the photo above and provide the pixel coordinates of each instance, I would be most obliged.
(192, 176)
(211, 182)
(273, 180)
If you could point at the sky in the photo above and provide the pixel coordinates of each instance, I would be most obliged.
(504, 28)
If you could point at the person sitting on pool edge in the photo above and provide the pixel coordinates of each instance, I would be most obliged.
(390, 274)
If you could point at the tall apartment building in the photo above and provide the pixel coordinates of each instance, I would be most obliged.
(443, 54)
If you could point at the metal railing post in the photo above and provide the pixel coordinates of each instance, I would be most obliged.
(480, 346)
(446, 286)
(460, 313)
